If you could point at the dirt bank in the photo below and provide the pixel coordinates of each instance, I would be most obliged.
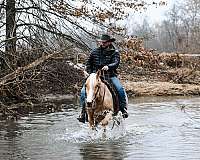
(143, 88)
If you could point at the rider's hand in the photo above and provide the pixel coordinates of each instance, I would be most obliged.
(85, 74)
(105, 68)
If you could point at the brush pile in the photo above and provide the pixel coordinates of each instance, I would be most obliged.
(145, 64)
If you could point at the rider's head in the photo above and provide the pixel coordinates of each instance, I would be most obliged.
(105, 40)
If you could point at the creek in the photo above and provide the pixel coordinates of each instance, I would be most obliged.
(158, 128)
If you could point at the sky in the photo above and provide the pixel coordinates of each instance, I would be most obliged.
(154, 14)
(158, 14)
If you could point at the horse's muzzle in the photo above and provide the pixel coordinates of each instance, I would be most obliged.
(89, 104)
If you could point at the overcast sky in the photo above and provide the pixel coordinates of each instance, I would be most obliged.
(154, 14)
(158, 14)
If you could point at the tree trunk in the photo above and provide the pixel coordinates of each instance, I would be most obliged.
(10, 45)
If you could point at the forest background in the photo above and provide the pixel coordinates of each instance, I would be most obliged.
(44, 44)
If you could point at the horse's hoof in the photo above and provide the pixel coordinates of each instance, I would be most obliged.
(104, 133)
(93, 128)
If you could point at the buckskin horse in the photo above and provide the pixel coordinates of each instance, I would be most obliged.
(99, 101)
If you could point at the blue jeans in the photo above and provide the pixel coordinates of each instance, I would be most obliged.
(83, 96)
(121, 94)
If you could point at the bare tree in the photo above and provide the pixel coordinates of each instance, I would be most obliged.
(181, 28)
(10, 26)
(53, 24)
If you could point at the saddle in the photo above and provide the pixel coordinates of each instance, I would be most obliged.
(114, 93)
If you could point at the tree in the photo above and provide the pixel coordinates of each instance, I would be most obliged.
(52, 24)
(10, 27)
(181, 31)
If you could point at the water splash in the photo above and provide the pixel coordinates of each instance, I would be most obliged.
(85, 134)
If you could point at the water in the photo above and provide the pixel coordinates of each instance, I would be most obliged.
(157, 129)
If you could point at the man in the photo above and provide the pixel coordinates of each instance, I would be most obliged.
(106, 58)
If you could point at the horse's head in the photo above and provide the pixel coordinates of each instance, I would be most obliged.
(92, 86)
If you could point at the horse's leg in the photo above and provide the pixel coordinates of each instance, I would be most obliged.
(91, 118)
(92, 121)
(107, 118)
(104, 132)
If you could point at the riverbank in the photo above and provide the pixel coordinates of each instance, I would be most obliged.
(155, 75)
(143, 88)
(53, 103)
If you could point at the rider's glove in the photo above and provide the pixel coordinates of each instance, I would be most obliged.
(105, 68)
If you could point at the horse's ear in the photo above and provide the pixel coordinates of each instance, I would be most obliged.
(98, 74)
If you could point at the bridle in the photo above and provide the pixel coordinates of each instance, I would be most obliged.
(93, 103)
(94, 110)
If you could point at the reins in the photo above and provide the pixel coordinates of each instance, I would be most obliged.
(104, 88)
(96, 107)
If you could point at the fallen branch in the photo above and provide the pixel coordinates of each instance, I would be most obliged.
(20, 70)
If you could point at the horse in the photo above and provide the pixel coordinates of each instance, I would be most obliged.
(99, 101)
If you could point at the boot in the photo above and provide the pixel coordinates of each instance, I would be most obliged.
(82, 116)
(124, 113)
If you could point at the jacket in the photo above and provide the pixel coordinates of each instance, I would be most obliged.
(100, 57)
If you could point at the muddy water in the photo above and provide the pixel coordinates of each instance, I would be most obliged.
(157, 129)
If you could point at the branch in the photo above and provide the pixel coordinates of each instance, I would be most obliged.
(11, 38)
(19, 71)
(57, 15)
(69, 38)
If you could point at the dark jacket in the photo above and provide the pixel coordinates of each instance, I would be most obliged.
(101, 57)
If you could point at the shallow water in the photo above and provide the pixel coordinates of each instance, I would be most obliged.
(157, 129)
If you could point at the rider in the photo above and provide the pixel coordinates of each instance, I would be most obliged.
(107, 58)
